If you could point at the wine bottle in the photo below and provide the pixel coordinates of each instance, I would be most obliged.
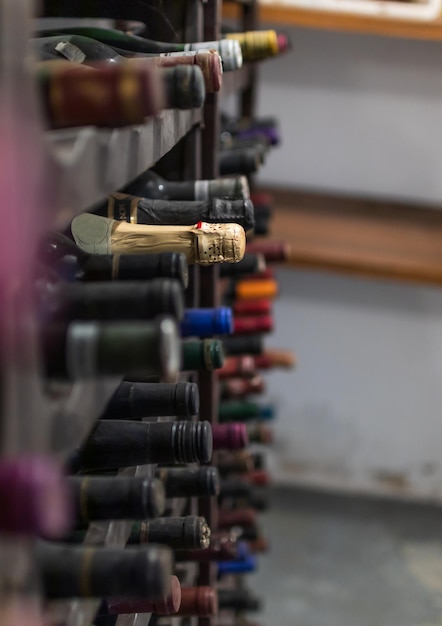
(83, 50)
(270, 359)
(205, 354)
(244, 410)
(238, 566)
(273, 251)
(166, 605)
(252, 344)
(110, 301)
(68, 572)
(240, 517)
(68, 93)
(206, 322)
(198, 601)
(115, 497)
(229, 49)
(34, 495)
(259, 433)
(72, 264)
(221, 548)
(231, 436)
(136, 210)
(238, 463)
(240, 162)
(250, 289)
(250, 264)
(242, 366)
(239, 388)
(179, 533)
(238, 600)
(252, 127)
(189, 482)
(236, 488)
(252, 324)
(151, 185)
(85, 350)
(260, 306)
(115, 443)
(202, 243)
(257, 45)
(133, 401)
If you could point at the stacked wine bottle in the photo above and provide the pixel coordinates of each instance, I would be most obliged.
(155, 518)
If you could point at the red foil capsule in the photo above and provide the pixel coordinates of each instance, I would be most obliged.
(252, 307)
(237, 517)
(240, 387)
(198, 601)
(168, 605)
(243, 366)
(250, 325)
(258, 477)
(275, 358)
(261, 198)
(273, 251)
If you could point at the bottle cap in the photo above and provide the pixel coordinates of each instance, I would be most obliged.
(185, 88)
(207, 322)
(199, 601)
(231, 55)
(242, 550)
(231, 436)
(187, 399)
(256, 289)
(253, 324)
(244, 566)
(166, 605)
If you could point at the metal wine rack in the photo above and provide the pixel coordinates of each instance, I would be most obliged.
(54, 175)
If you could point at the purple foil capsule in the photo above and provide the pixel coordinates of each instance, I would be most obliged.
(232, 436)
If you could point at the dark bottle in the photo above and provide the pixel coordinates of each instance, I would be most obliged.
(235, 487)
(244, 410)
(85, 350)
(205, 354)
(238, 600)
(222, 548)
(190, 481)
(258, 144)
(151, 185)
(138, 210)
(168, 604)
(133, 401)
(250, 264)
(198, 601)
(110, 301)
(251, 127)
(113, 444)
(253, 344)
(243, 518)
(69, 100)
(229, 49)
(179, 533)
(240, 388)
(259, 433)
(239, 162)
(205, 73)
(238, 463)
(207, 322)
(68, 572)
(114, 498)
(72, 264)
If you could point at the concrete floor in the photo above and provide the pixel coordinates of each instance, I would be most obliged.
(343, 561)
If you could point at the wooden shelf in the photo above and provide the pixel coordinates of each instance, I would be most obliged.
(285, 15)
(365, 237)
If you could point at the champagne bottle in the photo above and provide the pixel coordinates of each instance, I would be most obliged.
(198, 601)
(109, 301)
(231, 436)
(189, 482)
(202, 243)
(133, 401)
(72, 264)
(115, 497)
(129, 93)
(166, 605)
(205, 354)
(83, 50)
(252, 344)
(250, 264)
(83, 350)
(179, 533)
(68, 572)
(229, 49)
(206, 322)
(238, 600)
(151, 185)
(244, 410)
(136, 210)
(113, 444)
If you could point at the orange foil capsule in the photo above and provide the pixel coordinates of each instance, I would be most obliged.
(255, 289)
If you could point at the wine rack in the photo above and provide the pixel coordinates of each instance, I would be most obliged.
(57, 175)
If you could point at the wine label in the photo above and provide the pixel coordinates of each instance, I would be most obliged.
(81, 350)
(122, 208)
